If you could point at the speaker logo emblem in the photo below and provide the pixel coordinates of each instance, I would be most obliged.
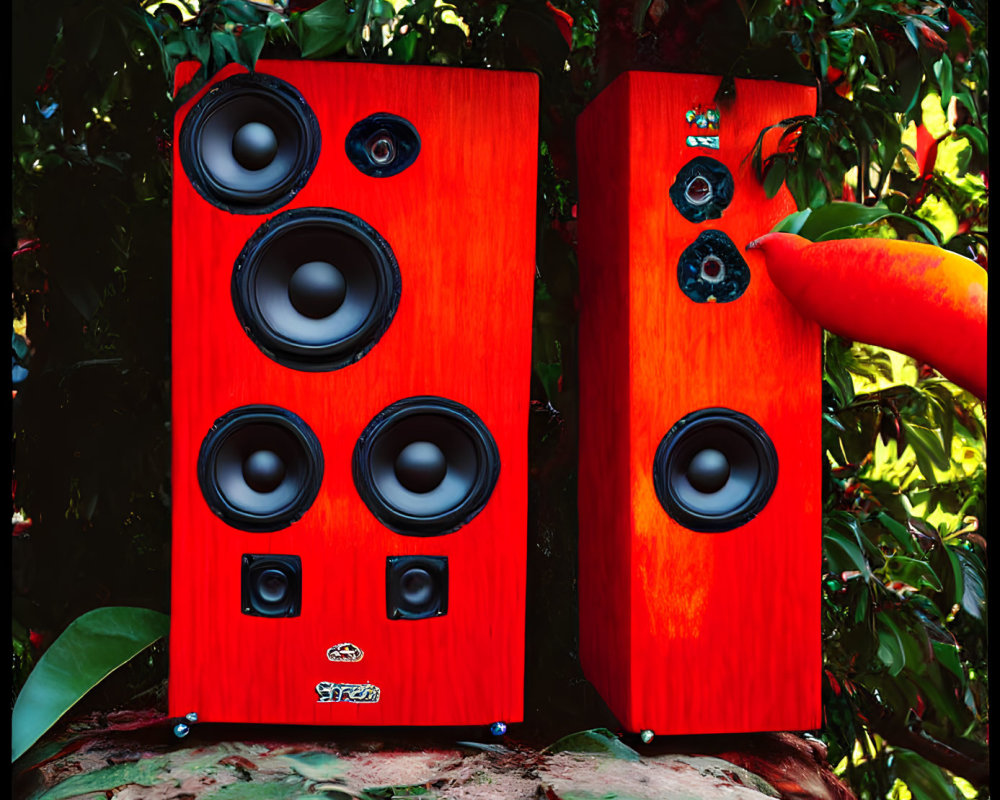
(702, 127)
(347, 692)
(345, 652)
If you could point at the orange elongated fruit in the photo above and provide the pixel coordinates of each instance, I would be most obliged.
(914, 298)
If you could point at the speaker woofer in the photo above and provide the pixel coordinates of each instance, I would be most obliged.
(315, 288)
(425, 466)
(702, 190)
(250, 144)
(715, 470)
(272, 585)
(416, 587)
(260, 468)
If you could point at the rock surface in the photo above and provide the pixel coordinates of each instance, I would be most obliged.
(134, 756)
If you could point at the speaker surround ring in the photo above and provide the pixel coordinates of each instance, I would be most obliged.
(316, 288)
(437, 502)
(229, 156)
(715, 470)
(227, 460)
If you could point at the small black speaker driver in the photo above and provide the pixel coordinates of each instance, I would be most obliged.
(425, 466)
(249, 144)
(271, 585)
(260, 468)
(715, 470)
(416, 587)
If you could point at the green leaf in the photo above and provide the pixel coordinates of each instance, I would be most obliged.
(973, 582)
(913, 571)
(844, 555)
(899, 532)
(942, 71)
(251, 42)
(91, 648)
(793, 222)
(976, 136)
(839, 214)
(223, 45)
(598, 741)
(925, 780)
(324, 29)
(927, 442)
(775, 177)
(890, 646)
(241, 11)
(147, 771)
(947, 656)
(403, 47)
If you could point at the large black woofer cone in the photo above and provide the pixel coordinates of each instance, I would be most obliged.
(425, 466)
(271, 585)
(315, 288)
(250, 144)
(260, 468)
(715, 470)
(416, 587)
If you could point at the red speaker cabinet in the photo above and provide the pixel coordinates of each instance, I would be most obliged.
(353, 268)
(700, 410)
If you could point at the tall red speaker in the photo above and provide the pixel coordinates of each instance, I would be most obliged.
(700, 409)
(353, 267)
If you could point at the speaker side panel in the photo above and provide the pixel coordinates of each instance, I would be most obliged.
(726, 634)
(605, 522)
(460, 221)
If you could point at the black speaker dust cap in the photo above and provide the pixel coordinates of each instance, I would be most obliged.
(715, 470)
(260, 468)
(250, 144)
(316, 288)
(425, 466)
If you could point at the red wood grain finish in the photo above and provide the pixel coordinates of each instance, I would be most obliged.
(685, 632)
(460, 221)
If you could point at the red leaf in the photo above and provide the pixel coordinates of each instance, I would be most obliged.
(564, 22)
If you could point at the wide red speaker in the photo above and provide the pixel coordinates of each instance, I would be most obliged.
(353, 271)
(700, 410)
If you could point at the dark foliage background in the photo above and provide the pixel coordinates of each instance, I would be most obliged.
(901, 133)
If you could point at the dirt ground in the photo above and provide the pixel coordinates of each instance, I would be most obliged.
(133, 755)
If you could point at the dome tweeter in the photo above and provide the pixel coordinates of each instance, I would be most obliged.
(250, 144)
(715, 470)
(260, 468)
(425, 466)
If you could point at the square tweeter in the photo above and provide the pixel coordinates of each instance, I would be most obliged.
(416, 587)
(272, 585)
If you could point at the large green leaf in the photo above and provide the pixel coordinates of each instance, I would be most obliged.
(92, 647)
(324, 29)
(925, 780)
(597, 741)
(843, 220)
